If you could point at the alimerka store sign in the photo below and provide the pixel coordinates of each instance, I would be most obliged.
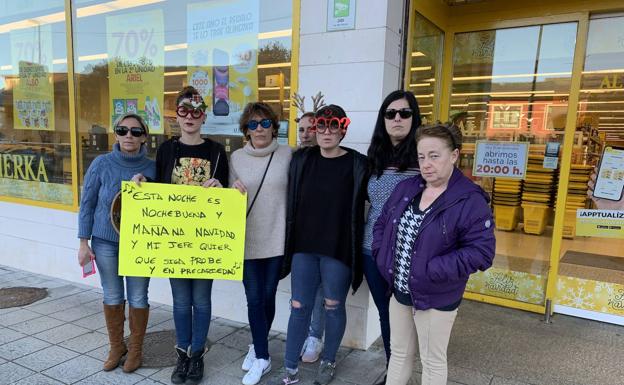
(23, 167)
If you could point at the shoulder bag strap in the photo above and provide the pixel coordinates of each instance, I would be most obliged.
(261, 182)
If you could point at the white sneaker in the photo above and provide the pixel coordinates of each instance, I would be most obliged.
(313, 350)
(249, 359)
(259, 368)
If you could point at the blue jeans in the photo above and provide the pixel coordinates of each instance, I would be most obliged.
(260, 278)
(107, 263)
(308, 271)
(379, 290)
(192, 308)
(317, 325)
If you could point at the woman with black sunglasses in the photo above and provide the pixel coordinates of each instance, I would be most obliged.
(325, 220)
(392, 158)
(101, 184)
(260, 169)
(191, 160)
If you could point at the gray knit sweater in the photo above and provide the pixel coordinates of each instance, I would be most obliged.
(266, 225)
(101, 184)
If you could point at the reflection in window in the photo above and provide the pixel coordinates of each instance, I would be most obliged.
(513, 85)
(600, 123)
(233, 52)
(35, 150)
(426, 56)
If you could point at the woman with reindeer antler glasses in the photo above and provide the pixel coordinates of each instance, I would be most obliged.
(325, 216)
(192, 160)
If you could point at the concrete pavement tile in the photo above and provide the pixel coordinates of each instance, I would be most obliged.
(8, 335)
(100, 353)
(219, 330)
(9, 310)
(504, 381)
(78, 312)
(74, 370)
(86, 342)
(350, 368)
(149, 381)
(167, 325)
(46, 358)
(36, 325)
(10, 372)
(219, 356)
(17, 316)
(234, 324)
(115, 377)
(22, 347)
(240, 339)
(146, 372)
(94, 322)
(61, 333)
(221, 379)
(158, 316)
(468, 376)
(71, 295)
(37, 379)
(163, 375)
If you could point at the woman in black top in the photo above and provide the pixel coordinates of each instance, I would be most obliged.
(325, 216)
(191, 160)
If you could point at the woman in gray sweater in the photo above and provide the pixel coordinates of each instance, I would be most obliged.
(261, 170)
(102, 182)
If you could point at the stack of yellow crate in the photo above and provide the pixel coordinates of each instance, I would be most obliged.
(506, 199)
(537, 195)
(576, 197)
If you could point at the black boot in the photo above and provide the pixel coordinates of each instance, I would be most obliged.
(196, 368)
(182, 367)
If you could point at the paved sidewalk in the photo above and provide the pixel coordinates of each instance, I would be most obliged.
(62, 340)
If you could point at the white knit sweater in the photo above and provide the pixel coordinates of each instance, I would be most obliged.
(266, 224)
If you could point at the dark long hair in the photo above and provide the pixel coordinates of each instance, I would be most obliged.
(381, 152)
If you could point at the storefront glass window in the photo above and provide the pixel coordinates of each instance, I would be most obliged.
(512, 86)
(424, 62)
(592, 267)
(35, 145)
(136, 56)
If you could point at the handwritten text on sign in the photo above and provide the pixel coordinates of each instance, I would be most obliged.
(181, 231)
(501, 159)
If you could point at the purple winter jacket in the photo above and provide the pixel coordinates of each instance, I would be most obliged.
(455, 240)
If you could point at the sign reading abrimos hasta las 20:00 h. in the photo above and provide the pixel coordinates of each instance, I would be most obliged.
(182, 231)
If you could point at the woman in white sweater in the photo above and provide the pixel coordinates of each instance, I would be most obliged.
(260, 169)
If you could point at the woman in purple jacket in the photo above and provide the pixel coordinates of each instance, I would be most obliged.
(434, 231)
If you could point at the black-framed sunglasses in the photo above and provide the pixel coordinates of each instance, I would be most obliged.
(264, 123)
(137, 132)
(404, 113)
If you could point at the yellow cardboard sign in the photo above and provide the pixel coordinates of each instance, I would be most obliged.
(600, 223)
(181, 231)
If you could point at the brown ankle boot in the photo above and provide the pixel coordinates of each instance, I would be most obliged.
(138, 324)
(114, 315)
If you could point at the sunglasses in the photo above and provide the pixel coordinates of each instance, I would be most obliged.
(183, 112)
(137, 132)
(264, 123)
(404, 113)
(321, 125)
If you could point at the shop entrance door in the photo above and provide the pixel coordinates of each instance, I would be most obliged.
(591, 270)
(511, 86)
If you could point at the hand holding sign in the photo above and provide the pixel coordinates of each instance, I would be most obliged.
(181, 231)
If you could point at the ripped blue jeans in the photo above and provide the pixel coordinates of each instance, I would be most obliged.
(308, 271)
